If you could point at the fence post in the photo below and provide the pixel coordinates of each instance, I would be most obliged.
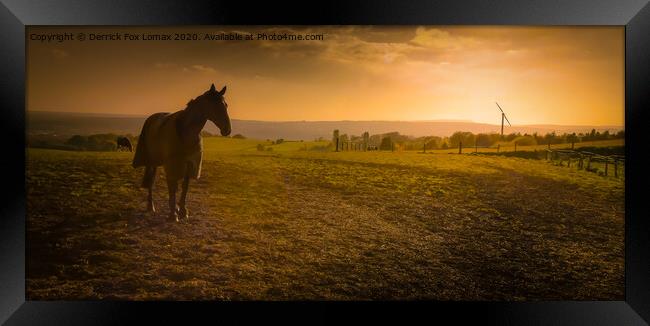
(572, 145)
(498, 147)
(337, 144)
(549, 144)
(606, 163)
(392, 146)
(547, 154)
(460, 147)
(515, 146)
(424, 147)
(616, 168)
(475, 148)
(569, 164)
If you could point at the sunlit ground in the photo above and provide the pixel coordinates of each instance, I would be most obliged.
(292, 223)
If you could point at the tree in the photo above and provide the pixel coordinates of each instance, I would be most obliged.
(620, 134)
(343, 139)
(572, 138)
(432, 142)
(512, 136)
(77, 141)
(550, 138)
(467, 138)
(483, 140)
(525, 141)
(386, 144)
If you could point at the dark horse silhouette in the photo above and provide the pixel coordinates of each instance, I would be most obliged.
(173, 140)
(123, 142)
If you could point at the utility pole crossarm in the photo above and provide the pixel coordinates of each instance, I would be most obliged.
(503, 114)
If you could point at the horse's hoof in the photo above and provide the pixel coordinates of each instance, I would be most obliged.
(173, 217)
(183, 214)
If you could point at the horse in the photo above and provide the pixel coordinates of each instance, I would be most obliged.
(124, 143)
(173, 140)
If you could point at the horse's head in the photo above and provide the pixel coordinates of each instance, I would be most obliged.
(213, 106)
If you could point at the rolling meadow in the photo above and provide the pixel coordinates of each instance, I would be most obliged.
(296, 223)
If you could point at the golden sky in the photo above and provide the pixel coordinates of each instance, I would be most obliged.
(539, 75)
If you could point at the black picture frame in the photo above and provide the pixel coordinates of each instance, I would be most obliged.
(15, 15)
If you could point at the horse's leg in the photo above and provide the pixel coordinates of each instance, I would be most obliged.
(147, 182)
(183, 209)
(172, 185)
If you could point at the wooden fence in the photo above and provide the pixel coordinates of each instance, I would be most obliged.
(498, 148)
(585, 160)
(352, 146)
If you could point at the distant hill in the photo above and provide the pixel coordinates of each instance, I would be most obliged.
(66, 124)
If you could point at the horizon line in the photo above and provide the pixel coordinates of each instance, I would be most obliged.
(343, 120)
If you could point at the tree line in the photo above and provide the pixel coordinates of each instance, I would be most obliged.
(394, 140)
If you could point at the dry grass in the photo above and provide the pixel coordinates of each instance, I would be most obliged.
(304, 225)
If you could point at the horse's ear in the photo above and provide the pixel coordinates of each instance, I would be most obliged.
(212, 89)
(223, 91)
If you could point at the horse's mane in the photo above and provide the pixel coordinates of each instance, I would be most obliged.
(192, 102)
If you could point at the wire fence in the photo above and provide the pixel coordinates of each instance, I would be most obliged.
(592, 162)
(565, 155)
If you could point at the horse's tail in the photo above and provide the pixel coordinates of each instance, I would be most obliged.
(140, 157)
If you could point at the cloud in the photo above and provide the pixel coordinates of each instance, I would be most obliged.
(191, 68)
(372, 48)
(163, 65)
(434, 38)
(203, 68)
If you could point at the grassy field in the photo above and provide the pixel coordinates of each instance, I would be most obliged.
(291, 223)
